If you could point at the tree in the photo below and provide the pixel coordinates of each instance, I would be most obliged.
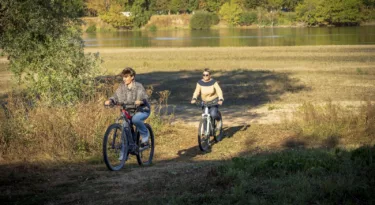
(336, 12)
(369, 4)
(290, 5)
(140, 13)
(231, 12)
(43, 41)
(159, 6)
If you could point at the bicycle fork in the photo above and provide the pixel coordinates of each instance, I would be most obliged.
(206, 115)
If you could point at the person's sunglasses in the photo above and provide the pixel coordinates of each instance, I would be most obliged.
(206, 74)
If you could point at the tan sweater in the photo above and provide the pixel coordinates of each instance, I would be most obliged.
(209, 90)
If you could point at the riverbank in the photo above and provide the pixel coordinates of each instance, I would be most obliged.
(181, 22)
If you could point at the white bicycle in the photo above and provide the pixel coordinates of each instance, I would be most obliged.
(209, 127)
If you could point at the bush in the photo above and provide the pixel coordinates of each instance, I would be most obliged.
(153, 28)
(91, 29)
(46, 52)
(330, 121)
(117, 20)
(331, 12)
(248, 18)
(231, 12)
(214, 19)
(287, 18)
(201, 20)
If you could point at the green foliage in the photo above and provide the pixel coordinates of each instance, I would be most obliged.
(263, 16)
(91, 29)
(290, 5)
(287, 18)
(202, 20)
(116, 19)
(248, 18)
(325, 177)
(153, 28)
(43, 41)
(214, 19)
(369, 4)
(213, 5)
(250, 4)
(231, 12)
(140, 15)
(192, 5)
(336, 12)
(274, 4)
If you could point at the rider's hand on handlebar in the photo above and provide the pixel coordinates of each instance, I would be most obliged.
(109, 103)
(193, 101)
(220, 102)
(138, 102)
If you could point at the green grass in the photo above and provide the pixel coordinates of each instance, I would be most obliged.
(288, 177)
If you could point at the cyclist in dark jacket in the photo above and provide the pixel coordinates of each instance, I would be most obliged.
(132, 92)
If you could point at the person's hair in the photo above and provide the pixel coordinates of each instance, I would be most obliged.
(128, 71)
(207, 70)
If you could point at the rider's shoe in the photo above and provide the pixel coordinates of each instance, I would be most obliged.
(145, 139)
(121, 155)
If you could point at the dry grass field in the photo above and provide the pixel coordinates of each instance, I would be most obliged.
(302, 99)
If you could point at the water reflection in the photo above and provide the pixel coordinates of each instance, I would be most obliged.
(235, 37)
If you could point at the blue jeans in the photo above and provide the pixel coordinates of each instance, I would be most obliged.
(214, 112)
(138, 120)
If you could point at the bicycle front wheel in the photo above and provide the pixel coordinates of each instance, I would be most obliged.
(115, 148)
(146, 154)
(203, 136)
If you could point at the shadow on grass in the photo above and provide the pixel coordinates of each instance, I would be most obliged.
(240, 86)
(290, 170)
(228, 132)
(311, 141)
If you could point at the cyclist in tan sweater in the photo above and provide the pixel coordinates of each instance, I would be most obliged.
(210, 92)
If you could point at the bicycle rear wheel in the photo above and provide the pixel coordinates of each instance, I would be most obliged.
(146, 154)
(115, 148)
(203, 138)
(218, 132)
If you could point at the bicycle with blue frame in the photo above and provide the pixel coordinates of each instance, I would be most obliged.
(209, 127)
(122, 139)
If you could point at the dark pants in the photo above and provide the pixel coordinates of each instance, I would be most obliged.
(214, 112)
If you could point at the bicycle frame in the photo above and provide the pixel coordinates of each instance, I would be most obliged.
(128, 128)
(206, 116)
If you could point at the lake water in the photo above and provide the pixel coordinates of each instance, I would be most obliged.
(360, 35)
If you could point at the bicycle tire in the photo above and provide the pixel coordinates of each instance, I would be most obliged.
(203, 141)
(112, 148)
(218, 136)
(146, 159)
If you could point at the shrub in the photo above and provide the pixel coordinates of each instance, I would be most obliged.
(153, 28)
(287, 18)
(335, 12)
(329, 121)
(91, 29)
(248, 18)
(231, 12)
(201, 20)
(46, 51)
(214, 19)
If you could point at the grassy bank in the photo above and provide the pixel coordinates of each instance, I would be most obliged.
(321, 155)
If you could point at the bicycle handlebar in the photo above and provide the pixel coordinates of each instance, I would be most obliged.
(203, 103)
(123, 105)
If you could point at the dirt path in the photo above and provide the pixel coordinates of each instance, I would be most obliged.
(246, 115)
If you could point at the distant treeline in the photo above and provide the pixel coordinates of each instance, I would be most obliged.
(236, 12)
